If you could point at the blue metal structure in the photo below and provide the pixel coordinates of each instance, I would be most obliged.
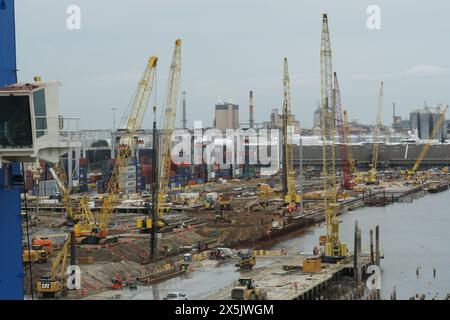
(11, 181)
(8, 67)
(11, 268)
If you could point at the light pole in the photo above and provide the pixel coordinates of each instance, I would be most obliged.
(113, 135)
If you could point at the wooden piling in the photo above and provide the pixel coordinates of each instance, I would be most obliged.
(377, 245)
(372, 257)
(355, 255)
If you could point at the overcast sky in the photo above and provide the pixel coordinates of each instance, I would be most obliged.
(233, 46)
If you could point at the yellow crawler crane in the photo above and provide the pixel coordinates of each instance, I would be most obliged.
(169, 114)
(333, 249)
(372, 175)
(140, 100)
(289, 187)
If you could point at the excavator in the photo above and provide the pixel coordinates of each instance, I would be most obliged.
(50, 285)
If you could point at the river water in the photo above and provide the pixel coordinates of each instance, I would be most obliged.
(413, 236)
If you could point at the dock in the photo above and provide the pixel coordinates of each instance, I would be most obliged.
(293, 285)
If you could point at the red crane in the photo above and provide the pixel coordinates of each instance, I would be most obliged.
(339, 123)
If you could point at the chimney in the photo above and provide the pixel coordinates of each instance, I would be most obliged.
(251, 121)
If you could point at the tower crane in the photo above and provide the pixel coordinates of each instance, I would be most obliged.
(334, 249)
(289, 188)
(434, 132)
(343, 143)
(139, 104)
(372, 177)
(169, 114)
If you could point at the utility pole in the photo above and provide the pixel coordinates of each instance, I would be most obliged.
(113, 135)
(155, 193)
(300, 188)
(184, 120)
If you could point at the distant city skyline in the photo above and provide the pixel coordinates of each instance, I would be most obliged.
(232, 47)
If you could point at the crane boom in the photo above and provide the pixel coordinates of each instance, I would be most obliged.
(289, 188)
(333, 247)
(436, 128)
(135, 117)
(60, 260)
(351, 164)
(346, 183)
(376, 136)
(60, 177)
(169, 114)
(140, 101)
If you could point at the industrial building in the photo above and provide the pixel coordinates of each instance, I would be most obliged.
(424, 120)
(226, 116)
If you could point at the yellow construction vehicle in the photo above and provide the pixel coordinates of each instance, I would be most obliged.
(49, 286)
(94, 228)
(168, 126)
(246, 290)
(37, 254)
(289, 187)
(247, 260)
(225, 202)
(334, 249)
(372, 174)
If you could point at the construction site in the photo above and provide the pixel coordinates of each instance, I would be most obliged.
(105, 218)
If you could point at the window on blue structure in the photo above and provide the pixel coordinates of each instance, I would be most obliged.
(15, 122)
(40, 113)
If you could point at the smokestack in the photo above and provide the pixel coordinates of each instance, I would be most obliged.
(251, 121)
(184, 120)
(393, 115)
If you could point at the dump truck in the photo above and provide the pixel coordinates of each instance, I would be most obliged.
(225, 202)
(246, 290)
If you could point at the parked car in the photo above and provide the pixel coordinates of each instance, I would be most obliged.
(175, 296)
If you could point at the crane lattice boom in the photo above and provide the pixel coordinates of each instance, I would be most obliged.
(169, 114)
(376, 136)
(289, 187)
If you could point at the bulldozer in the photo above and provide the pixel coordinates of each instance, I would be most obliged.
(246, 290)
(247, 261)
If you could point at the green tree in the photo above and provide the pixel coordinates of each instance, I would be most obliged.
(99, 143)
